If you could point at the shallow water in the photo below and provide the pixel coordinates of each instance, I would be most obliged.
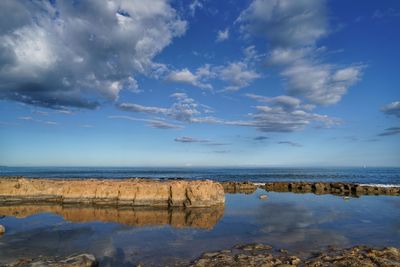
(349, 175)
(301, 223)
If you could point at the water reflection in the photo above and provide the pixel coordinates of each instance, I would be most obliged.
(204, 218)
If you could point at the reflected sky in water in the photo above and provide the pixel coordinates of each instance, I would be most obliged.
(301, 223)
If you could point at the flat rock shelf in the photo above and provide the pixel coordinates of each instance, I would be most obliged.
(126, 192)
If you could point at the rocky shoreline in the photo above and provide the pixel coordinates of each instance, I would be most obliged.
(265, 255)
(123, 192)
(252, 255)
(319, 188)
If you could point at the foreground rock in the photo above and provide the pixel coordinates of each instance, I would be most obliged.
(342, 189)
(82, 260)
(2, 229)
(128, 192)
(178, 217)
(263, 255)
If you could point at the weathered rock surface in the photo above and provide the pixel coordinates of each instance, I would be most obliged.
(82, 260)
(239, 187)
(130, 192)
(342, 189)
(262, 255)
(134, 216)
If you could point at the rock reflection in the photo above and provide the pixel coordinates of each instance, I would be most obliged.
(204, 218)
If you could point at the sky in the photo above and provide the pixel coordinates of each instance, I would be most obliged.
(182, 83)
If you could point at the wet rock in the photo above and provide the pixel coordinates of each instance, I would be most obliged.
(252, 255)
(263, 197)
(239, 187)
(341, 189)
(2, 229)
(82, 260)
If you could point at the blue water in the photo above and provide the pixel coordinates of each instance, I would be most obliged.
(300, 223)
(351, 175)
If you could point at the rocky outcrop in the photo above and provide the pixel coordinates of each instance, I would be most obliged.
(127, 192)
(264, 255)
(178, 217)
(239, 187)
(82, 260)
(342, 189)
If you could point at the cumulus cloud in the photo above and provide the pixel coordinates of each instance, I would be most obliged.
(286, 114)
(292, 29)
(223, 35)
(285, 23)
(320, 83)
(68, 53)
(236, 75)
(290, 143)
(392, 109)
(196, 79)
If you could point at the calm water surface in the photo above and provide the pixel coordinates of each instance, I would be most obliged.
(301, 223)
(354, 175)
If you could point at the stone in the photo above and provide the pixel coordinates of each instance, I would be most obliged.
(121, 192)
(250, 255)
(263, 197)
(2, 229)
(81, 260)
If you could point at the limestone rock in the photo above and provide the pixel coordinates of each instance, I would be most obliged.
(131, 192)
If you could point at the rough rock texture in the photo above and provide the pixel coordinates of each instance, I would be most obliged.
(82, 260)
(263, 255)
(239, 187)
(342, 189)
(131, 192)
(134, 216)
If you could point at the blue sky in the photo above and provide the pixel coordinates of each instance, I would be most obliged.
(199, 83)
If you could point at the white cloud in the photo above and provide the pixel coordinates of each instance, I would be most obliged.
(320, 83)
(223, 35)
(285, 23)
(292, 29)
(154, 123)
(392, 109)
(70, 53)
(196, 4)
(197, 79)
(237, 75)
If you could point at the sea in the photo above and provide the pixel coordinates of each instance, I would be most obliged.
(382, 176)
(303, 224)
